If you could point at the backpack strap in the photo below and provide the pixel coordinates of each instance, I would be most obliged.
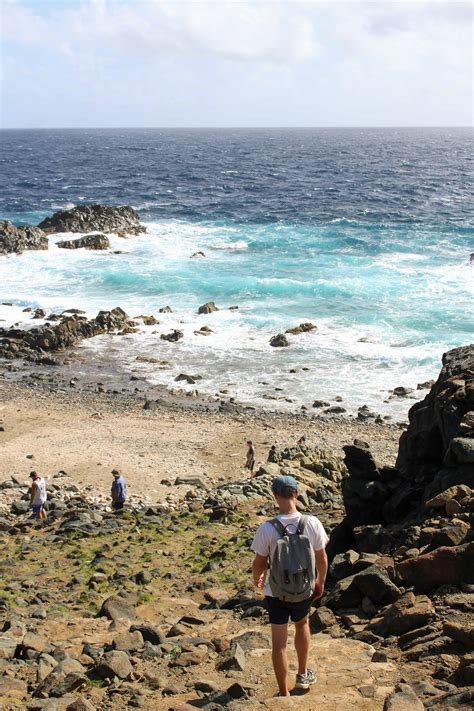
(301, 524)
(278, 526)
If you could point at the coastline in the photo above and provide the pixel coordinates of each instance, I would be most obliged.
(88, 434)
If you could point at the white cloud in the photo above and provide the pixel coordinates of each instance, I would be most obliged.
(260, 51)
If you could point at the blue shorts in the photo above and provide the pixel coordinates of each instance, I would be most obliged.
(281, 612)
(37, 508)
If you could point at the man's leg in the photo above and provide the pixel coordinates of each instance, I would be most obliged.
(279, 657)
(302, 640)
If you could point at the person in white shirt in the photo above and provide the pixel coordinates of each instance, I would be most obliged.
(38, 495)
(285, 491)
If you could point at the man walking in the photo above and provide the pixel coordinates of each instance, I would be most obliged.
(38, 495)
(119, 490)
(273, 548)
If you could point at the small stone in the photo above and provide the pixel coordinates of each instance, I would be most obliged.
(403, 698)
(233, 659)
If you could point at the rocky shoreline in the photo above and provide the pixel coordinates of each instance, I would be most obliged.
(84, 218)
(400, 588)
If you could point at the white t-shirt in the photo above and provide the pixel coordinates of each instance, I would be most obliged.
(39, 497)
(266, 536)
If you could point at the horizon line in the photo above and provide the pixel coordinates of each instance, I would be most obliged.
(218, 128)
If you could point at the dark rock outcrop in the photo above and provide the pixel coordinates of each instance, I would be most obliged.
(90, 218)
(302, 328)
(437, 450)
(208, 308)
(17, 239)
(96, 241)
(279, 341)
(172, 337)
(18, 343)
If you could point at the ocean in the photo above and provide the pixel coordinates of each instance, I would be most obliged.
(367, 233)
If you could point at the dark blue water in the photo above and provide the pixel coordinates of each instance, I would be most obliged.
(303, 175)
(365, 232)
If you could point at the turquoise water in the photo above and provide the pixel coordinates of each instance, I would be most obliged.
(367, 235)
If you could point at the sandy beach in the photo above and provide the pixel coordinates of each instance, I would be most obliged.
(86, 435)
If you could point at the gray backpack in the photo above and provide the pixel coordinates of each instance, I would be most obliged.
(292, 569)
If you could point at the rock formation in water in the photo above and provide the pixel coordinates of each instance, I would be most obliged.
(96, 241)
(73, 328)
(95, 218)
(15, 239)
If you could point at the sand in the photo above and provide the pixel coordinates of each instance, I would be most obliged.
(88, 435)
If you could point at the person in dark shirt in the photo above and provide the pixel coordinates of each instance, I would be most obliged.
(119, 490)
(250, 461)
(272, 454)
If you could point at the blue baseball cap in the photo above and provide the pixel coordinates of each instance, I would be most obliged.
(284, 485)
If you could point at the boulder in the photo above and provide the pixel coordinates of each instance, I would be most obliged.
(7, 647)
(374, 583)
(15, 240)
(460, 451)
(443, 566)
(208, 308)
(173, 336)
(128, 641)
(90, 218)
(96, 241)
(460, 632)
(279, 341)
(149, 632)
(116, 608)
(409, 612)
(114, 664)
(55, 684)
(344, 595)
(457, 493)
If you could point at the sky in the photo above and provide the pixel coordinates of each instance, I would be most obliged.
(209, 63)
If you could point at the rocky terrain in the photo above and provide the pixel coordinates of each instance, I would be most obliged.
(37, 342)
(84, 218)
(153, 608)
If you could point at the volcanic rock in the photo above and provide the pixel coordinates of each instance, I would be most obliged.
(17, 239)
(172, 337)
(208, 308)
(96, 241)
(406, 614)
(90, 218)
(302, 328)
(443, 566)
(279, 341)
(16, 342)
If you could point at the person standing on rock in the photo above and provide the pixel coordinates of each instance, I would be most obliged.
(250, 461)
(119, 490)
(38, 495)
(292, 547)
